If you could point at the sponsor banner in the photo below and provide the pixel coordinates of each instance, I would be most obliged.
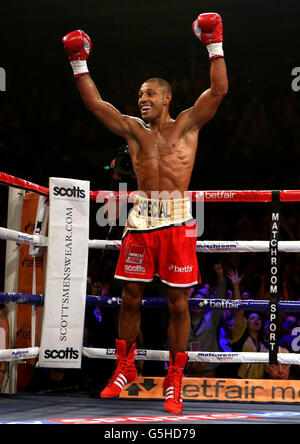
(66, 274)
(211, 389)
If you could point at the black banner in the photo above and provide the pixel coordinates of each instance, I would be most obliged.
(274, 277)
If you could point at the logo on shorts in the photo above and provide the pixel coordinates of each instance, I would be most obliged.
(135, 254)
(185, 269)
(134, 269)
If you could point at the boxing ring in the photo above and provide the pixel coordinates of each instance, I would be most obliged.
(193, 413)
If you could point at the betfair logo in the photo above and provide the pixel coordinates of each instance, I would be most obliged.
(2, 79)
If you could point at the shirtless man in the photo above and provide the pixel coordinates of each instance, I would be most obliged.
(155, 240)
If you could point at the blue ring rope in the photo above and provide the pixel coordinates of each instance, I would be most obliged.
(109, 301)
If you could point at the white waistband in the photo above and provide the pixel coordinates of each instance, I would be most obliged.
(154, 213)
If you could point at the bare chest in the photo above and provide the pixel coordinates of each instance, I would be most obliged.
(161, 146)
(163, 160)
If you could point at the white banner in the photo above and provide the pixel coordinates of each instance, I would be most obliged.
(66, 274)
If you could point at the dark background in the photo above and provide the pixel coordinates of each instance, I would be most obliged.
(253, 142)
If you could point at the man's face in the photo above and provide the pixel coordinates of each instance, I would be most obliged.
(152, 101)
(279, 371)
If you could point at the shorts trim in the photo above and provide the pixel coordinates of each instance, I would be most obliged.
(171, 284)
(123, 278)
(150, 230)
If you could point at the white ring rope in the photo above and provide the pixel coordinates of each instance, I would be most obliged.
(220, 357)
(202, 246)
(23, 238)
(18, 354)
(161, 355)
(219, 246)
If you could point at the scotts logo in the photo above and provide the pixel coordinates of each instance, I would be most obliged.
(68, 353)
(69, 192)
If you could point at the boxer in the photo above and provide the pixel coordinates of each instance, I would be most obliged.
(155, 240)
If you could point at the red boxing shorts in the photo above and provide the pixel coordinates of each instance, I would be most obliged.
(159, 241)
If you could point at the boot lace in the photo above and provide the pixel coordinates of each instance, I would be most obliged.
(120, 365)
(177, 375)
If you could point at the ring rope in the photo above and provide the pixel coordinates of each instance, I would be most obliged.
(22, 298)
(206, 196)
(156, 302)
(22, 354)
(213, 246)
(207, 246)
(202, 246)
(220, 357)
(36, 240)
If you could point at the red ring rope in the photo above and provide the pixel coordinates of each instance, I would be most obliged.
(209, 196)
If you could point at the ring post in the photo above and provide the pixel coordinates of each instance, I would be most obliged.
(14, 216)
(66, 274)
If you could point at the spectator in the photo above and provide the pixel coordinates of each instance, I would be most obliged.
(248, 336)
(226, 370)
(225, 337)
(236, 280)
(278, 371)
(290, 329)
(204, 329)
(226, 331)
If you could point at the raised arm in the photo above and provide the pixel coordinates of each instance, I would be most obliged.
(78, 46)
(208, 28)
(208, 103)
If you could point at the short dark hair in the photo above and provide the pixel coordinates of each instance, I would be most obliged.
(165, 86)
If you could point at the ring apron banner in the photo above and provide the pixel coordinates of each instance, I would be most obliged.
(66, 274)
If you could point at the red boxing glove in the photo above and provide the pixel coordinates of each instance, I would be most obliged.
(78, 46)
(208, 28)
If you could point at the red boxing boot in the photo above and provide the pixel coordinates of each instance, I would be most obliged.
(167, 380)
(125, 370)
(173, 403)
